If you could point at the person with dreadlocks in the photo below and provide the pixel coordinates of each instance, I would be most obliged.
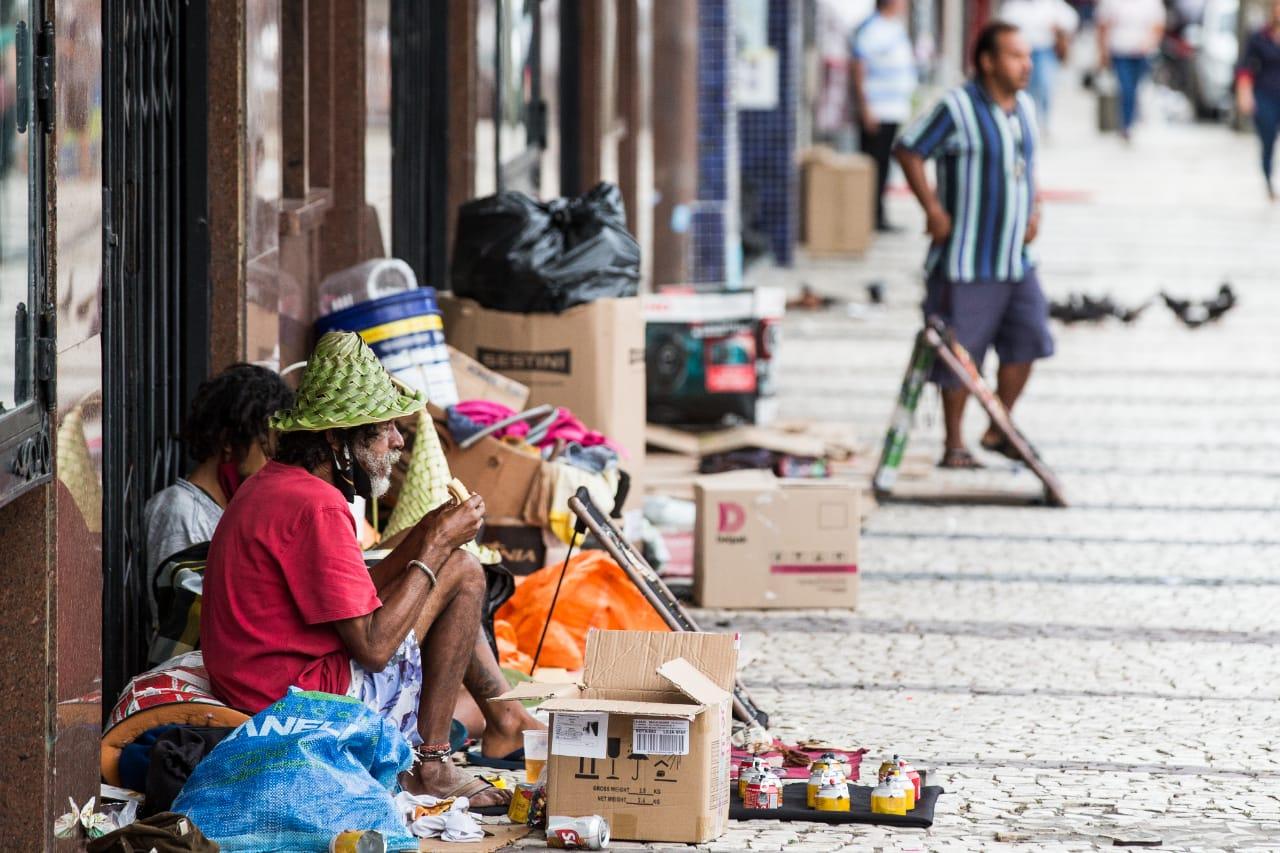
(226, 436)
(288, 599)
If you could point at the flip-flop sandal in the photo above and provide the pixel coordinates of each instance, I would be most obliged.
(1004, 447)
(959, 459)
(478, 785)
(513, 760)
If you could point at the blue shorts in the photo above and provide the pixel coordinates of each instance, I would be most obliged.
(1012, 316)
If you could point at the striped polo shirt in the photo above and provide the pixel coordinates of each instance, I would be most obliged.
(986, 182)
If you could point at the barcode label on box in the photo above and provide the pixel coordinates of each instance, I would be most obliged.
(660, 737)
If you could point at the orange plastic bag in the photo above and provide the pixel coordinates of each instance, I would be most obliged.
(509, 654)
(596, 594)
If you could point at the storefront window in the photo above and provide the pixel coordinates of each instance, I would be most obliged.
(377, 133)
(24, 439)
(509, 125)
(16, 279)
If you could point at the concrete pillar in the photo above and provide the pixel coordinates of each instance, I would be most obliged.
(675, 138)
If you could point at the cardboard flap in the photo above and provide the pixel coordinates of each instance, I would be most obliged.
(691, 682)
(537, 690)
(629, 660)
(623, 706)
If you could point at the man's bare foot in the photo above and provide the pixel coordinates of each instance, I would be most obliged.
(445, 779)
(504, 733)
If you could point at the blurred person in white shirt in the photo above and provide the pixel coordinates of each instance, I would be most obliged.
(1129, 34)
(884, 79)
(1048, 26)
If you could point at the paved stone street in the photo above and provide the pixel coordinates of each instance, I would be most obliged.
(1070, 676)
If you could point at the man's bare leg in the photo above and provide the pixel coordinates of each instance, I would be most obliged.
(955, 454)
(1011, 379)
(953, 400)
(504, 721)
(446, 629)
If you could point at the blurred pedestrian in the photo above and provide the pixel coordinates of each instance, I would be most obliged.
(1129, 34)
(1258, 89)
(1048, 26)
(985, 211)
(884, 79)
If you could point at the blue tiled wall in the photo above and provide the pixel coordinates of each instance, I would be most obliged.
(715, 220)
(767, 139)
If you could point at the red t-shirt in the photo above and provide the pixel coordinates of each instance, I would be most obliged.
(284, 563)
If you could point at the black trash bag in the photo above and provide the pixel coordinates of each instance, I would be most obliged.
(513, 253)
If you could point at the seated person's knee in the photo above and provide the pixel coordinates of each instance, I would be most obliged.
(466, 571)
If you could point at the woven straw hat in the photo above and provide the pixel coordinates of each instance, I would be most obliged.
(345, 385)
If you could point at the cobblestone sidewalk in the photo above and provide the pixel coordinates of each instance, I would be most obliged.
(1074, 678)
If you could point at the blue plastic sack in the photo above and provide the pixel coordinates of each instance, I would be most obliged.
(301, 771)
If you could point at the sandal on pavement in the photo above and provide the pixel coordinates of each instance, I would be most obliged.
(479, 785)
(959, 459)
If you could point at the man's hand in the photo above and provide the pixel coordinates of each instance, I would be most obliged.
(938, 224)
(1033, 225)
(870, 125)
(449, 527)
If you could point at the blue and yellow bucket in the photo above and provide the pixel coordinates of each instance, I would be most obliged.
(405, 331)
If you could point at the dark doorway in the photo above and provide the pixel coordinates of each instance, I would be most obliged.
(155, 291)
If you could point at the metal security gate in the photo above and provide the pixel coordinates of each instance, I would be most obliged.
(156, 290)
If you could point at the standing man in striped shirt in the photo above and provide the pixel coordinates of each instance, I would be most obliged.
(981, 279)
(884, 79)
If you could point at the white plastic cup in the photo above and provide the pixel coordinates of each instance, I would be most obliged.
(535, 754)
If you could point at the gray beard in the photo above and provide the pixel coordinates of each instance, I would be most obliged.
(378, 468)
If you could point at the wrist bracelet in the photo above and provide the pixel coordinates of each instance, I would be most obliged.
(426, 570)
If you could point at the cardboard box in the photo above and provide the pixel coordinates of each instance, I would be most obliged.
(590, 360)
(477, 382)
(522, 546)
(763, 542)
(710, 355)
(838, 202)
(644, 740)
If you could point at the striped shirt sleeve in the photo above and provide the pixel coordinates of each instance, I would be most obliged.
(927, 134)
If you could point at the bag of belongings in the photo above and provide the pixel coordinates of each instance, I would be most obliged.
(513, 253)
(298, 773)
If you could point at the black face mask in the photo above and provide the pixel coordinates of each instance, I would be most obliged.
(352, 479)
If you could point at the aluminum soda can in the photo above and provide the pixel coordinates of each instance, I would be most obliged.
(832, 798)
(748, 775)
(764, 793)
(908, 791)
(837, 762)
(521, 803)
(910, 775)
(578, 833)
(888, 798)
(820, 779)
(358, 841)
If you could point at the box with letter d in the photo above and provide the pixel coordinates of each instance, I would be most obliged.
(762, 541)
(644, 740)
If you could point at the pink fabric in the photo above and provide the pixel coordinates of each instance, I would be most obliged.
(565, 427)
(774, 758)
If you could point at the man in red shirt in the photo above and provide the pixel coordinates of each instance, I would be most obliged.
(288, 600)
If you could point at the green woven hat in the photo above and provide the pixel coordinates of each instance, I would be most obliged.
(345, 385)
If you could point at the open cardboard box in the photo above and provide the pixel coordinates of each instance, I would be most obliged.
(644, 739)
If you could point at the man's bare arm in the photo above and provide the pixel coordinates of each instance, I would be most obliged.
(939, 222)
(373, 639)
(864, 116)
